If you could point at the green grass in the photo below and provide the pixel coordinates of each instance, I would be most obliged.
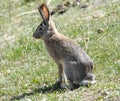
(28, 73)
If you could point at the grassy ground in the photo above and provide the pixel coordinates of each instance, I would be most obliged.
(27, 73)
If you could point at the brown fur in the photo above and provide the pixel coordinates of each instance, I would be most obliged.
(74, 65)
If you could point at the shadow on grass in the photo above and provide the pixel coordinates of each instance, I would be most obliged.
(43, 90)
(46, 89)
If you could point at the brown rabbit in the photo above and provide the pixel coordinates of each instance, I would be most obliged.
(74, 65)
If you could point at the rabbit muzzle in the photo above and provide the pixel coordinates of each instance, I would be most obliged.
(37, 36)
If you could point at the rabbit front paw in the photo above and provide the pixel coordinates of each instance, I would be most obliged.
(63, 85)
(69, 86)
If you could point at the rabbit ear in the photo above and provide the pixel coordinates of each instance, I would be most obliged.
(44, 12)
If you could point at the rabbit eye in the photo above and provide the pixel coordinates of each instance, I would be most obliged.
(40, 28)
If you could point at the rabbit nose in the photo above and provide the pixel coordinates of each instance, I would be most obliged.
(34, 35)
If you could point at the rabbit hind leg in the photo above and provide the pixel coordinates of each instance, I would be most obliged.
(89, 80)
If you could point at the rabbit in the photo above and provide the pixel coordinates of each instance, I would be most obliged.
(74, 65)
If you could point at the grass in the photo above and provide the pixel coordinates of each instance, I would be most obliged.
(28, 73)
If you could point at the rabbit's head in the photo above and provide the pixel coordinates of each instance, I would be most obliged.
(43, 31)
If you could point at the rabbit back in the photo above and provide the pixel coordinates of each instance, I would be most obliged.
(75, 61)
